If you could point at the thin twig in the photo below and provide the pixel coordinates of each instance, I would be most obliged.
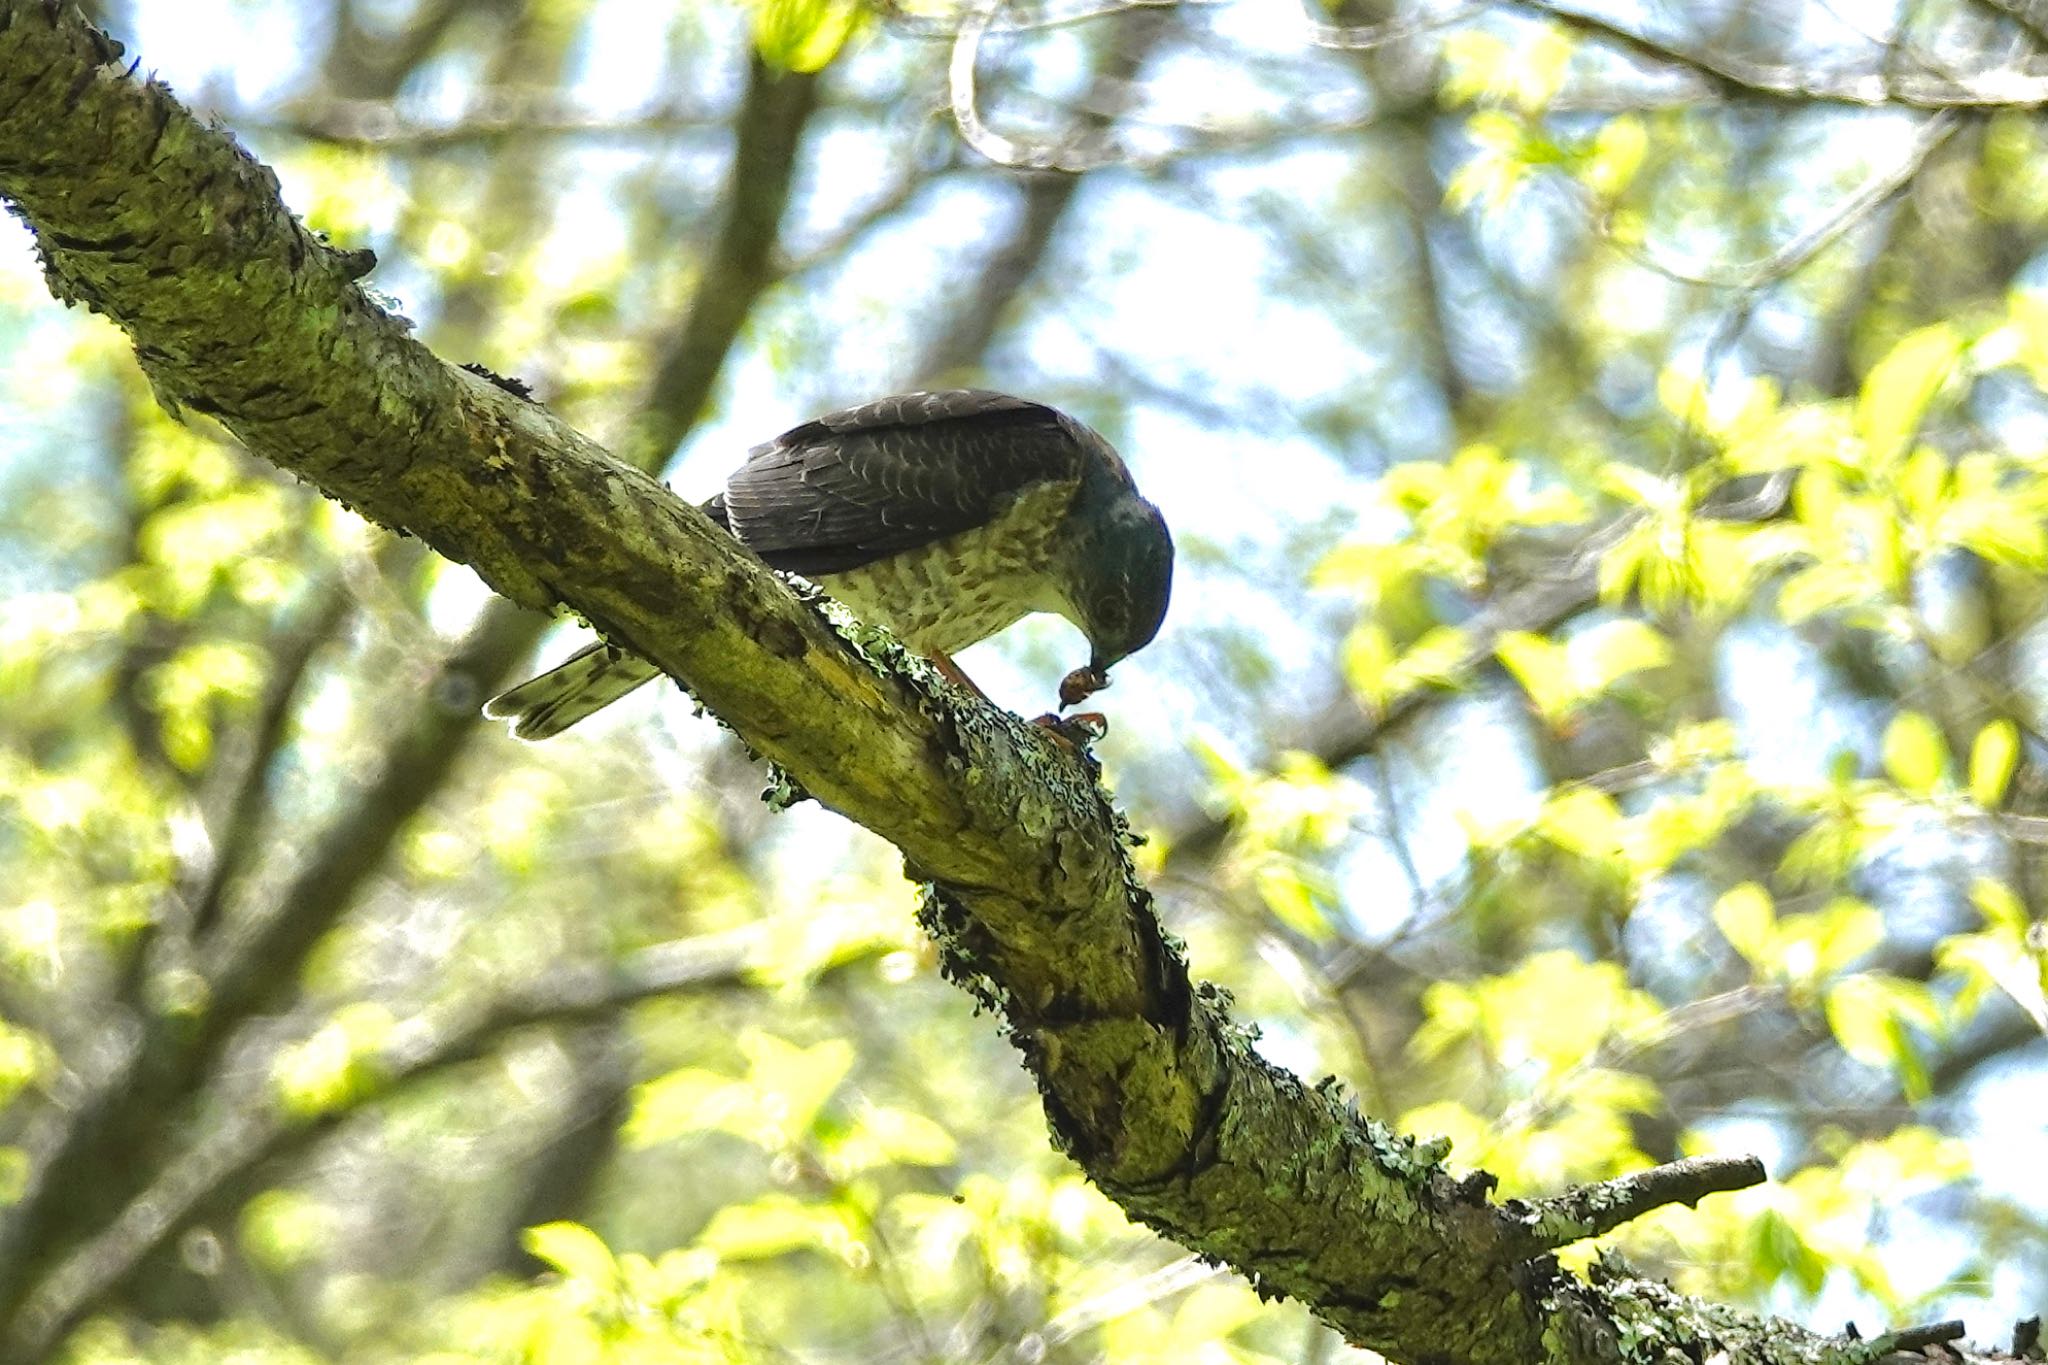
(1819, 235)
(2002, 88)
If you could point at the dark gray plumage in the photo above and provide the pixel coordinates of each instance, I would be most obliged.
(943, 517)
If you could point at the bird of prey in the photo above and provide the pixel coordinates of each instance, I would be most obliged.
(943, 517)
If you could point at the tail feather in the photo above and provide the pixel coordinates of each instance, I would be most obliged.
(583, 684)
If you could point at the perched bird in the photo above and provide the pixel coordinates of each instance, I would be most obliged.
(943, 517)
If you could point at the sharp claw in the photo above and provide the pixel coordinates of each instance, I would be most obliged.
(1077, 732)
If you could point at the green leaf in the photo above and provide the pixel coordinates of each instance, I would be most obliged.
(1542, 668)
(1824, 941)
(1915, 753)
(803, 35)
(1748, 920)
(338, 1065)
(575, 1251)
(1999, 904)
(1993, 756)
(1858, 1018)
(1899, 388)
(1870, 1013)
(1292, 899)
(1922, 483)
(1999, 528)
(795, 1082)
(1368, 660)
(1634, 484)
(686, 1100)
(907, 1138)
(1615, 156)
(284, 1228)
(1611, 651)
(1583, 821)
(1827, 586)
(1438, 659)
(773, 1225)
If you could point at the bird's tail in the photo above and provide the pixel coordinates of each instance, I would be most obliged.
(586, 682)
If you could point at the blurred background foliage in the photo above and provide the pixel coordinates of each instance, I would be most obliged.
(1601, 717)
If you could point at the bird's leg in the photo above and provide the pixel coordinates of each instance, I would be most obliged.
(952, 673)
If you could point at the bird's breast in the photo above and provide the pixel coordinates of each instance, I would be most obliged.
(954, 592)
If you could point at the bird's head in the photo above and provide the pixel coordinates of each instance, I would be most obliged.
(1124, 578)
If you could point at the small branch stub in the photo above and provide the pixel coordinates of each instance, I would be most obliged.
(1605, 1205)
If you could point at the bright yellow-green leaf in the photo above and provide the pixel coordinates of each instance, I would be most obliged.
(1475, 64)
(1502, 157)
(1869, 1016)
(1613, 650)
(338, 1065)
(1438, 659)
(1207, 1315)
(1802, 435)
(1583, 821)
(687, 1100)
(1633, 484)
(1682, 392)
(2008, 955)
(1747, 919)
(1993, 755)
(284, 1228)
(1999, 525)
(15, 1166)
(1915, 753)
(1542, 668)
(1695, 742)
(1822, 942)
(1922, 482)
(1288, 894)
(1615, 156)
(1559, 677)
(1556, 1009)
(1368, 658)
(1858, 1018)
(24, 1058)
(774, 1225)
(906, 1138)
(575, 1251)
(1999, 904)
(1622, 564)
(1827, 586)
(1898, 389)
(803, 35)
(797, 1081)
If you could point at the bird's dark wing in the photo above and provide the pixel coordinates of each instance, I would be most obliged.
(864, 483)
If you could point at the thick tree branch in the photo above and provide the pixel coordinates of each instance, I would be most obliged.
(237, 311)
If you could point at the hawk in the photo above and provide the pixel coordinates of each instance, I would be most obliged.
(943, 517)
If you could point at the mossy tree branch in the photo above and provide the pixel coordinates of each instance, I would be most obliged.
(238, 313)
